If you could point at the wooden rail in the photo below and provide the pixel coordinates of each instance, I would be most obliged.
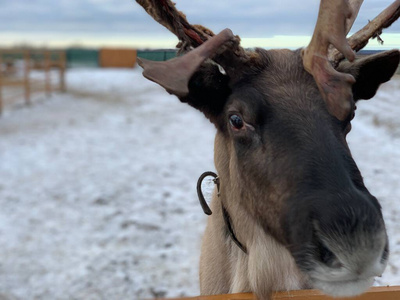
(375, 293)
(43, 60)
(1, 81)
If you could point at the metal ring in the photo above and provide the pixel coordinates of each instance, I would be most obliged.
(203, 201)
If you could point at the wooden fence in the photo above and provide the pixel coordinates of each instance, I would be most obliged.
(375, 293)
(16, 67)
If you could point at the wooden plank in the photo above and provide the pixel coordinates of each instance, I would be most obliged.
(8, 82)
(1, 82)
(375, 293)
(117, 58)
(47, 58)
(27, 69)
(11, 51)
(63, 65)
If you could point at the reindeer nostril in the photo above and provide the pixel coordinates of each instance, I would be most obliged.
(328, 257)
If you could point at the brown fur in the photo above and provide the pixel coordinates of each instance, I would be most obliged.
(294, 194)
(257, 201)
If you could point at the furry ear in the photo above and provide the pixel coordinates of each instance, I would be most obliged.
(193, 78)
(370, 72)
(208, 90)
(174, 74)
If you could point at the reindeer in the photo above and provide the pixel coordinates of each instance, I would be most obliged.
(291, 210)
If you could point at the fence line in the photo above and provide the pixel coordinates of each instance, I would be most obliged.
(28, 60)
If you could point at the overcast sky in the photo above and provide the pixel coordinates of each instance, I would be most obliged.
(267, 23)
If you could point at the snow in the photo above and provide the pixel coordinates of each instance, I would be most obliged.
(97, 189)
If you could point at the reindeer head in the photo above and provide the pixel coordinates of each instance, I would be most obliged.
(282, 118)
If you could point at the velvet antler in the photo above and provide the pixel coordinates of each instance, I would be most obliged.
(372, 30)
(165, 13)
(335, 19)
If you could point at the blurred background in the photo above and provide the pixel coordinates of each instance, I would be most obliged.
(98, 166)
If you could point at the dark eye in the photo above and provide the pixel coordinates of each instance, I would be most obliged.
(236, 122)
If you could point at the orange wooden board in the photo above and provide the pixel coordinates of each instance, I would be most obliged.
(7, 82)
(117, 58)
(375, 293)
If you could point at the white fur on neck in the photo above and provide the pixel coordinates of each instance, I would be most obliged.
(268, 265)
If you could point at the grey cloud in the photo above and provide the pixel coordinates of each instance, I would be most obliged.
(256, 18)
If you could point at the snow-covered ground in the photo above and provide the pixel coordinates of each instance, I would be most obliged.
(97, 189)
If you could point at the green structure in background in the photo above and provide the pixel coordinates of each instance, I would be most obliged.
(11, 56)
(157, 55)
(79, 57)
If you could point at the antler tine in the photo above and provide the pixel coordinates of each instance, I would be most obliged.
(335, 19)
(355, 6)
(360, 39)
(165, 13)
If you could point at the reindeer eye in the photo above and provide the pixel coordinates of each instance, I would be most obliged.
(236, 122)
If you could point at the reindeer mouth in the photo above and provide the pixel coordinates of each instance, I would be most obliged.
(345, 288)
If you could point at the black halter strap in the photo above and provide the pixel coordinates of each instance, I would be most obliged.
(207, 210)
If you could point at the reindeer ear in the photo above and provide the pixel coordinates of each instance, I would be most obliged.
(370, 72)
(208, 90)
(194, 81)
(174, 74)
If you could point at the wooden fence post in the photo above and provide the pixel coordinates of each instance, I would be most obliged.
(27, 57)
(63, 65)
(46, 58)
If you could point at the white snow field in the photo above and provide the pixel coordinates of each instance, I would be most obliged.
(97, 189)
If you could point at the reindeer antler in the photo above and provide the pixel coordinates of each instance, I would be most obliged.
(335, 19)
(320, 58)
(355, 6)
(165, 13)
(373, 29)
